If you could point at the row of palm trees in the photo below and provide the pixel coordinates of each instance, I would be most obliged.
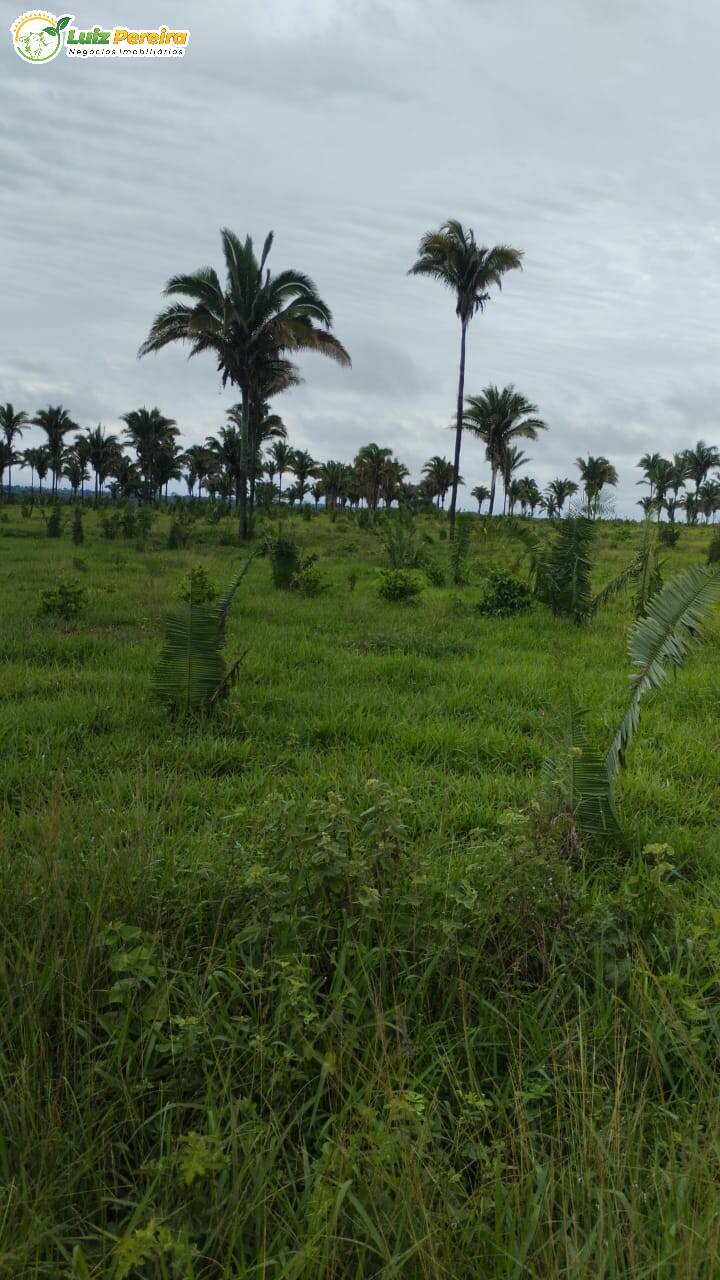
(497, 417)
(253, 324)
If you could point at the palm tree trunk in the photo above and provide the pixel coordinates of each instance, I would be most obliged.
(458, 429)
(244, 528)
(493, 484)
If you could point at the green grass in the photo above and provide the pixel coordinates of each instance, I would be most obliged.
(317, 987)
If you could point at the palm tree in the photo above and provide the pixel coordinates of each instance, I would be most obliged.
(248, 325)
(31, 458)
(439, 474)
(452, 256)
(100, 451)
(497, 417)
(369, 464)
(126, 476)
(560, 490)
(264, 424)
(8, 459)
(709, 499)
(394, 475)
(11, 425)
(56, 423)
(699, 462)
(302, 467)
(228, 450)
(198, 458)
(149, 432)
(595, 473)
(481, 494)
(74, 469)
(529, 494)
(512, 460)
(648, 463)
(333, 477)
(281, 454)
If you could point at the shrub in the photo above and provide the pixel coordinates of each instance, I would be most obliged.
(78, 535)
(129, 522)
(284, 557)
(399, 536)
(668, 535)
(504, 595)
(177, 536)
(111, 526)
(714, 550)
(434, 573)
(459, 551)
(309, 580)
(54, 524)
(352, 579)
(66, 600)
(198, 587)
(400, 586)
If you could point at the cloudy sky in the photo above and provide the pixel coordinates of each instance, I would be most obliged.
(581, 132)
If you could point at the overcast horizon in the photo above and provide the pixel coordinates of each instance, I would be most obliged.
(581, 134)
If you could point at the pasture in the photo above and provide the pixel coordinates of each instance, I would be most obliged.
(321, 985)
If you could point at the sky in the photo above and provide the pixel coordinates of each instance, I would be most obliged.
(583, 133)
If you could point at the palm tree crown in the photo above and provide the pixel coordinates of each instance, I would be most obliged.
(497, 417)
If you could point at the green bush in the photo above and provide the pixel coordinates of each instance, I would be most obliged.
(668, 535)
(78, 535)
(66, 600)
(714, 550)
(400, 586)
(434, 573)
(198, 587)
(309, 580)
(285, 558)
(54, 524)
(504, 595)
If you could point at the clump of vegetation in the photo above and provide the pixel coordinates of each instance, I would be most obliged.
(67, 600)
(178, 535)
(112, 526)
(54, 523)
(78, 534)
(198, 586)
(505, 595)
(398, 533)
(459, 551)
(285, 558)
(310, 580)
(434, 573)
(192, 674)
(352, 579)
(668, 535)
(129, 521)
(144, 525)
(399, 586)
(713, 556)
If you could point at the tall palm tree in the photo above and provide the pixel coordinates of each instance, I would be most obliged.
(198, 458)
(149, 432)
(392, 480)
(595, 474)
(700, 461)
(11, 425)
(452, 256)
(100, 451)
(497, 417)
(648, 463)
(8, 458)
(74, 469)
(31, 458)
(229, 451)
(303, 466)
(56, 423)
(369, 464)
(281, 454)
(560, 490)
(248, 325)
(481, 494)
(439, 474)
(333, 477)
(512, 459)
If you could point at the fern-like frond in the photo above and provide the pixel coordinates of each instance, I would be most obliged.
(227, 599)
(663, 637)
(191, 666)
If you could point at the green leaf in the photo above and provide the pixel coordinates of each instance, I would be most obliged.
(671, 626)
(50, 31)
(63, 23)
(191, 665)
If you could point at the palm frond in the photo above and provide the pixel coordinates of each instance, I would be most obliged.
(662, 638)
(227, 599)
(191, 666)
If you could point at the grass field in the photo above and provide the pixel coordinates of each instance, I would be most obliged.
(316, 987)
